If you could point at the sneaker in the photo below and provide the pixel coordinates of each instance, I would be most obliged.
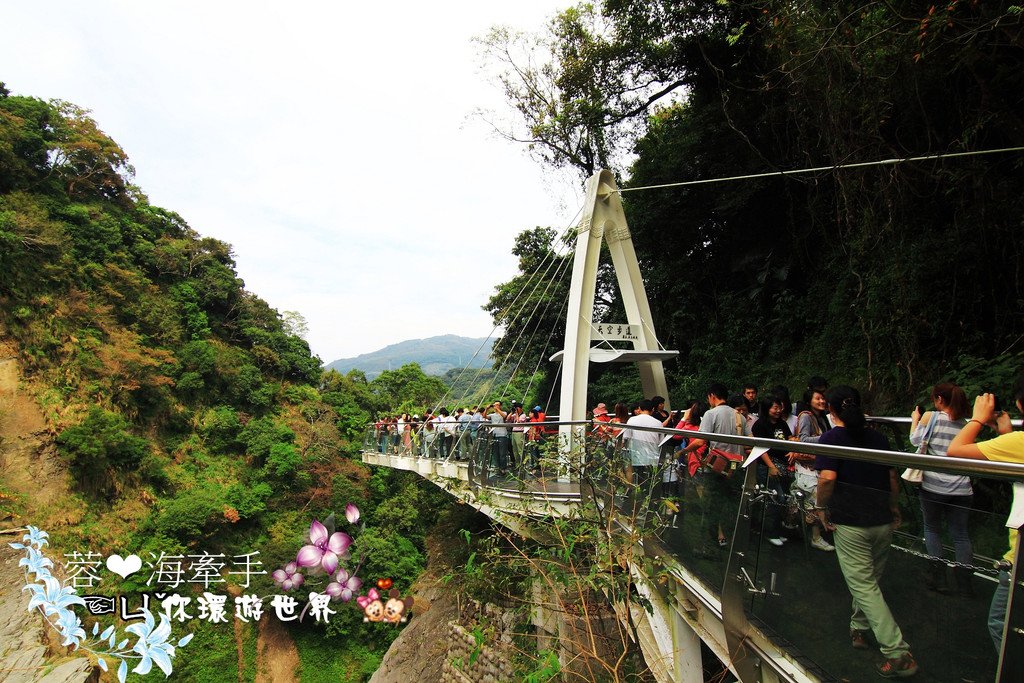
(820, 543)
(900, 667)
(859, 639)
(777, 542)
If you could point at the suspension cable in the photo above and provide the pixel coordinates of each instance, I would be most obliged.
(540, 357)
(537, 277)
(557, 278)
(816, 169)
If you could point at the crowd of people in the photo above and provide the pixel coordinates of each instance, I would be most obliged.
(853, 503)
(515, 435)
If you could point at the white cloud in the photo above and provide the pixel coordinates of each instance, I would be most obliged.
(329, 143)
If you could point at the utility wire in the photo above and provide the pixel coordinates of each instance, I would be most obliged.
(816, 169)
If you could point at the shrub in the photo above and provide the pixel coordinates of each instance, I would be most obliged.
(282, 462)
(261, 434)
(100, 447)
(249, 501)
(188, 518)
(220, 427)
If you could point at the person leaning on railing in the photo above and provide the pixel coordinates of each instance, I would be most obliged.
(1007, 447)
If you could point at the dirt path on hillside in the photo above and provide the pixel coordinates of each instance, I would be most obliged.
(277, 658)
(29, 467)
(30, 473)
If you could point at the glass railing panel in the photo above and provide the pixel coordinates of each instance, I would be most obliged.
(600, 469)
(462, 445)
(485, 458)
(940, 601)
(695, 514)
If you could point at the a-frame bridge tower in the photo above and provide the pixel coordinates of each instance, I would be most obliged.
(604, 220)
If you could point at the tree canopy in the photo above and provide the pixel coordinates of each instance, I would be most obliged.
(890, 276)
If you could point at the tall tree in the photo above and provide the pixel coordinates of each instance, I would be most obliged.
(850, 268)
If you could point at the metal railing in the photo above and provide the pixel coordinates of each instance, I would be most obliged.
(787, 590)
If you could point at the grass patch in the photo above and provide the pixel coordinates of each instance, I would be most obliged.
(323, 662)
(211, 657)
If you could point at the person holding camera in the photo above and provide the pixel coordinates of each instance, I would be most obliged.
(502, 446)
(1007, 447)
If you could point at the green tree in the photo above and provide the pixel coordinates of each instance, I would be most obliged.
(88, 162)
(100, 447)
(407, 388)
(844, 269)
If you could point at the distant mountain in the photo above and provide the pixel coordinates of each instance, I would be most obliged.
(436, 355)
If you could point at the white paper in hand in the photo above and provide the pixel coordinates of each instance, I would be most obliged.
(755, 453)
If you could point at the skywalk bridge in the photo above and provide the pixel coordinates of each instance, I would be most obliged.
(767, 613)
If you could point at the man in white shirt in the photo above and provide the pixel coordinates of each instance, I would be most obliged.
(463, 417)
(643, 447)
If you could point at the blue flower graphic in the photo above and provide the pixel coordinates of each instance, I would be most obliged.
(36, 563)
(36, 537)
(152, 645)
(51, 596)
(54, 599)
(70, 626)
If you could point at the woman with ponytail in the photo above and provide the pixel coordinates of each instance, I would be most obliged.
(859, 500)
(946, 496)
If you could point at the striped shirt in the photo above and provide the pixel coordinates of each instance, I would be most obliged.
(938, 443)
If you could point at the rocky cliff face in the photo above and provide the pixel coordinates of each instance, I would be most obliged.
(419, 653)
(32, 475)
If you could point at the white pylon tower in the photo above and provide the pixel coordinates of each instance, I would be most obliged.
(604, 219)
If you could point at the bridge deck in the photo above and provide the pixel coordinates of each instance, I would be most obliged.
(799, 601)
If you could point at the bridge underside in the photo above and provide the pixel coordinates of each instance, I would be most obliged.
(685, 611)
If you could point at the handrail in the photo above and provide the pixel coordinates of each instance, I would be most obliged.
(952, 465)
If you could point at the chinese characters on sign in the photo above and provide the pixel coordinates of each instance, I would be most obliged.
(616, 332)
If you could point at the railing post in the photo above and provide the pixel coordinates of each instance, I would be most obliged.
(734, 590)
(1011, 654)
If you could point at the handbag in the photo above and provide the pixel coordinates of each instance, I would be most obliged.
(723, 462)
(719, 461)
(913, 475)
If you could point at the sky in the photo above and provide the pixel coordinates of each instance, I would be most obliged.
(333, 145)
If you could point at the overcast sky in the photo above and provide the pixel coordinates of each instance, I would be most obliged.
(332, 144)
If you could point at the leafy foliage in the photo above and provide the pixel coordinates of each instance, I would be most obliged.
(100, 447)
(192, 415)
(854, 274)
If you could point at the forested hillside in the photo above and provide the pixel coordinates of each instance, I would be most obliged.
(187, 415)
(890, 276)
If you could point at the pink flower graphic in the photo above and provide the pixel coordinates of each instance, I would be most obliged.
(324, 552)
(343, 586)
(351, 513)
(288, 577)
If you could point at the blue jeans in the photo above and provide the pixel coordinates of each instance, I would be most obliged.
(501, 448)
(956, 510)
(997, 610)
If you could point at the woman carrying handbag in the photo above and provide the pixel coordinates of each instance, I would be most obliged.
(944, 496)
